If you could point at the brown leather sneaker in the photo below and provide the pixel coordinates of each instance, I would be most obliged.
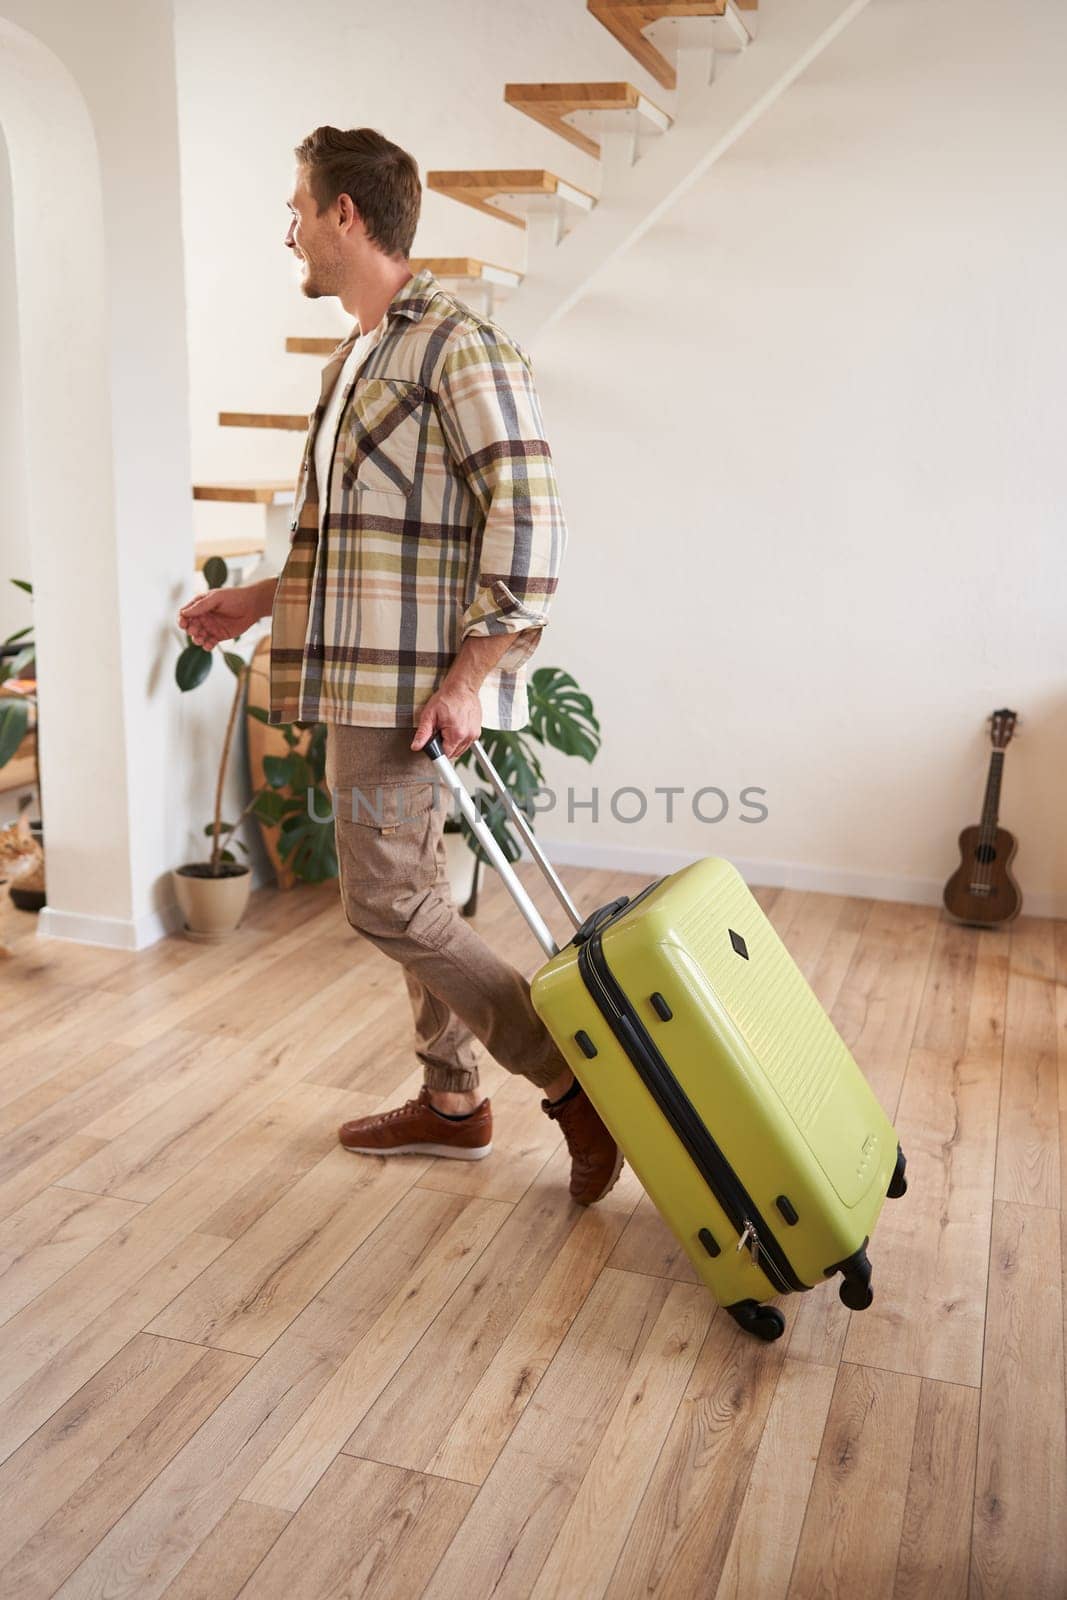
(596, 1159)
(415, 1128)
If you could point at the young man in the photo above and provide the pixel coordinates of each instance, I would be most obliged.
(425, 549)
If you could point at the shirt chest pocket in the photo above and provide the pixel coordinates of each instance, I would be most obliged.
(381, 434)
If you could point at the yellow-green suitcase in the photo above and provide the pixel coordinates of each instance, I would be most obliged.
(721, 1077)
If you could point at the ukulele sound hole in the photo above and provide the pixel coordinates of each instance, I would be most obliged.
(985, 853)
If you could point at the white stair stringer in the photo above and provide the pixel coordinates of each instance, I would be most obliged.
(708, 120)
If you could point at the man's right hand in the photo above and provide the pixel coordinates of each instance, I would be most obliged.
(225, 613)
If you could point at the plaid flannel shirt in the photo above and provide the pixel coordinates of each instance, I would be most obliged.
(442, 521)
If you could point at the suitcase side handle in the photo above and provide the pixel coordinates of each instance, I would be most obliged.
(484, 835)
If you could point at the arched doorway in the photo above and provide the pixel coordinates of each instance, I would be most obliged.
(109, 528)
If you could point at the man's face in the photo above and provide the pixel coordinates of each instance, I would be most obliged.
(315, 241)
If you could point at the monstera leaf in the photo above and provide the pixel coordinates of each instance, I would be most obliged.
(561, 715)
(308, 846)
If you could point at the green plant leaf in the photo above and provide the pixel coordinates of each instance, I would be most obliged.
(215, 572)
(492, 809)
(276, 771)
(192, 667)
(13, 638)
(561, 715)
(259, 712)
(269, 807)
(20, 583)
(227, 855)
(20, 662)
(236, 663)
(300, 779)
(224, 827)
(308, 847)
(14, 720)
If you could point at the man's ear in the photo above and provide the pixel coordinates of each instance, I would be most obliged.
(347, 213)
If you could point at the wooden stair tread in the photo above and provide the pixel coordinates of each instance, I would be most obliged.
(205, 549)
(479, 187)
(268, 492)
(260, 419)
(627, 19)
(550, 103)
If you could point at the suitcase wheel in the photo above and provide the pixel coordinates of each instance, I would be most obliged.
(857, 1296)
(765, 1322)
(898, 1183)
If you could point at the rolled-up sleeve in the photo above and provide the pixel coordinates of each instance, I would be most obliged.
(491, 419)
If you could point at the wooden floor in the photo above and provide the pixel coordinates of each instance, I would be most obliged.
(235, 1359)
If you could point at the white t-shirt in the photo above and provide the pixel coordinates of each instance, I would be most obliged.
(326, 438)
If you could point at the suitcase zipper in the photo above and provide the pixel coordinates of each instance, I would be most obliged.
(665, 1089)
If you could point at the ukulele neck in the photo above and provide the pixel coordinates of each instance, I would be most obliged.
(991, 803)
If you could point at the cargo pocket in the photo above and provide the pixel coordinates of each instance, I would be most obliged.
(386, 851)
(383, 426)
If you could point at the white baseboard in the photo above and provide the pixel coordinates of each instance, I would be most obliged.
(117, 933)
(781, 875)
(112, 933)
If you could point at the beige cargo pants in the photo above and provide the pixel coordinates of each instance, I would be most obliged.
(395, 892)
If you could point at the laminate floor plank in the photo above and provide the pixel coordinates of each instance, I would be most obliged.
(935, 1541)
(524, 1503)
(164, 1529)
(760, 1558)
(221, 1566)
(67, 1484)
(851, 1536)
(47, 1236)
(484, 1423)
(1028, 1167)
(1020, 1533)
(878, 1005)
(932, 1255)
(680, 1537)
(307, 1451)
(367, 1530)
(453, 1355)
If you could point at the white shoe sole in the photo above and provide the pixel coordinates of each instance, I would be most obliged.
(454, 1152)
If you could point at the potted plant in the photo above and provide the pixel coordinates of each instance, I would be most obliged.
(213, 894)
(562, 717)
(18, 720)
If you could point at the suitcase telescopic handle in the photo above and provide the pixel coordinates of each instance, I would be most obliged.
(484, 835)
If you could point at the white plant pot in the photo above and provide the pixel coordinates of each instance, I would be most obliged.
(212, 907)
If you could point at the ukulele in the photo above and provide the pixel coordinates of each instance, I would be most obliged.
(982, 891)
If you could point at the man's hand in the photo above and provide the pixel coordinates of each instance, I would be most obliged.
(455, 712)
(225, 613)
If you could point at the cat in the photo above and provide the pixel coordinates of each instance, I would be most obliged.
(21, 862)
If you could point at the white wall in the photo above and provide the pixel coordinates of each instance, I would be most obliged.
(88, 108)
(806, 429)
(14, 534)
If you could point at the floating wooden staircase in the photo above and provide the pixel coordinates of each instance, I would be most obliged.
(722, 75)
